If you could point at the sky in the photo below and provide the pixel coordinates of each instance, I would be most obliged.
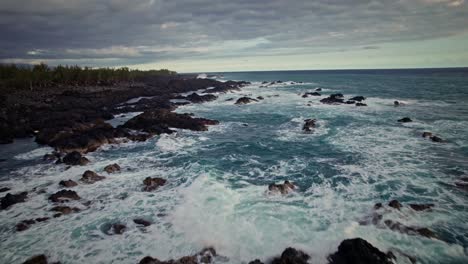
(236, 35)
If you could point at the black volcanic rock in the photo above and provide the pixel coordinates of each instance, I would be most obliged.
(159, 121)
(64, 196)
(405, 120)
(11, 199)
(196, 98)
(291, 256)
(357, 98)
(359, 251)
(309, 124)
(152, 184)
(333, 99)
(245, 100)
(75, 158)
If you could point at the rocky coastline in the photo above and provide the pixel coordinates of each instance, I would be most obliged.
(72, 120)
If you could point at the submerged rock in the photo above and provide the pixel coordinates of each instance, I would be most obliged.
(357, 98)
(4, 189)
(359, 251)
(311, 94)
(245, 100)
(433, 137)
(64, 196)
(141, 221)
(68, 183)
(284, 188)
(405, 120)
(75, 158)
(361, 104)
(309, 125)
(65, 209)
(11, 199)
(152, 184)
(395, 204)
(39, 259)
(397, 226)
(112, 168)
(91, 177)
(205, 256)
(291, 256)
(118, 228)
(421, 207)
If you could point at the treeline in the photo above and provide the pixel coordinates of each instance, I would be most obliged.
(41, 75)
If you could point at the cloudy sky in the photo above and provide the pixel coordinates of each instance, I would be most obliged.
(236, 35)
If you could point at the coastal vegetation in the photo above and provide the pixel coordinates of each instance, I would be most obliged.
(42, 75)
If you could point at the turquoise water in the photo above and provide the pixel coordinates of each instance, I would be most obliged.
(217, 180)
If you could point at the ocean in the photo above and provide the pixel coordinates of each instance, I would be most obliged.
(217, 180)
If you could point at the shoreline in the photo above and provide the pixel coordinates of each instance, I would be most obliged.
(165, 115)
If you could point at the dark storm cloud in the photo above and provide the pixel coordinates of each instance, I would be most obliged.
(116, 32)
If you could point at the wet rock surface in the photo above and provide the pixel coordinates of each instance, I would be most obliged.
(284, 188)
(64, 196)
(291, 256)
(309, 125)
(75, 158)
(357, 251)
(207, 255)
(68, 183)
(112, 168)
(91, 177)
(11, 199)
(159, 121)
(152, 184)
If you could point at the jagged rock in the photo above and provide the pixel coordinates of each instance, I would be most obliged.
(359, 251)
(357, 98)
(118, 228)
(245, 100)
(143, 222)
(291, 256)
(260, 97)
(396, 226)
(309, 125)
(39, 259)
(11, 199)
(395, 204)
(427, 135)
(333, 99)
(405, 120)
(91, 177)
(159, 121)
(4, 189)
(284, 188)
(437, 139)
(204, 256)
(65, 209)
(196, 98)
(152, 184)
(68, 183)
(318, 89)
(421, 207)
(75, 158)
(64, 196)
(112, 168)
(311, 93)
(361, 104)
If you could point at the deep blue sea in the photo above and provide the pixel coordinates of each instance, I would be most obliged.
(218, 179)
